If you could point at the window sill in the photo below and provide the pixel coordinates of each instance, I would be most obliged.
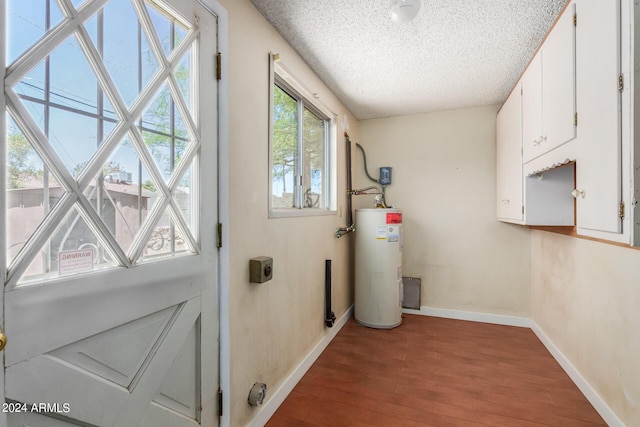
(292, 213)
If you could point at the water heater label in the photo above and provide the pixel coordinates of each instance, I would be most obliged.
(394, 218)
(381, 233)
(393, 234)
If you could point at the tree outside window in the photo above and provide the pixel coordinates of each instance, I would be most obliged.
(299, 166)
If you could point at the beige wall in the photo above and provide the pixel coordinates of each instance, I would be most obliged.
(586, 299)
(274, 325)
(444, 181)
(582, 294)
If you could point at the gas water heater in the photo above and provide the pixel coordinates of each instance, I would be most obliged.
(378, 268)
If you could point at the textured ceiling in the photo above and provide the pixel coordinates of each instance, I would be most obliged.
(455, 53)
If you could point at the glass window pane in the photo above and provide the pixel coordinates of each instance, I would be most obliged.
(31, 190)
(27, 21)
(285, 148)
(313, 163)
(74, 237)
(75, 114)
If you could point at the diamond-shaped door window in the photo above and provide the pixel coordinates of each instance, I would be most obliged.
(72, 235)
(75, 111)
(167, 238)
(66, 105)
(124, 48)
(182, 74)
(170, 33)
(184, 195)
(174, 232)
(28, 21)
(31, 192)
(78, 3)
(165, 132)
(123, 194)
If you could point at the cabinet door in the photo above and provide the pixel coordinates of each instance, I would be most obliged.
(598, 169)
(509, 158)
(532, 109)
(559, 83)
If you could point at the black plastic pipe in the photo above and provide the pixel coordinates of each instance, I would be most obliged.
(329, 316)
(349, 186)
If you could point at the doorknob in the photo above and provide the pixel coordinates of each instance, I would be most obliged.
(3, 340)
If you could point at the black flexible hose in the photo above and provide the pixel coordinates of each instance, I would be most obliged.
(364, 156)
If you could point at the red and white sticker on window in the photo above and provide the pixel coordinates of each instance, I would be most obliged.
(394, 218)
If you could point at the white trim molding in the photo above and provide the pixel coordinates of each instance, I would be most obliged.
(496, 319)
(592, 396)
(271, 406)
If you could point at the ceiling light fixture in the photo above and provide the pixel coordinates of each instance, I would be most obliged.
(404, 10)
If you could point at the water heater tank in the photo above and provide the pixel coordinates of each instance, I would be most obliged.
(378, 268)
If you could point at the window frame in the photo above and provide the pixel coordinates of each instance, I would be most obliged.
(280, 76)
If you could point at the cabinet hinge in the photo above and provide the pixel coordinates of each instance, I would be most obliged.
(575, 119)
(575, 19)
(218, 66)
(522, 209)
(219, 402)
(620, 82)
(219, 235)
(621, 210)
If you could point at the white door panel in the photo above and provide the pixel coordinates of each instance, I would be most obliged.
(92, 387)
(110, 297)
(598, 171)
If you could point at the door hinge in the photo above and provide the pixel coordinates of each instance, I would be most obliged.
(219, 235)
(218, 66)
(575, 19)
(219, 402)
(621, 210)
(575, 119)
(620, 82)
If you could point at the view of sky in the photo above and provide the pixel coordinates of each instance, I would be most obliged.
(129, 61)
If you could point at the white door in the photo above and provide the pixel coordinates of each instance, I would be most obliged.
(599, 170)
(509, 158)
(532, 110)
(110, 129)
(559, 83)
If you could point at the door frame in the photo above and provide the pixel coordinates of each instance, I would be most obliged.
(3, 186)
(223, 206)
(224, 357)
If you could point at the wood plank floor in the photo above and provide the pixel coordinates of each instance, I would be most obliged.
(436, 372)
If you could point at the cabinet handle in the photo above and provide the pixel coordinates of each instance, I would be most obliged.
(539, 140)
(575, 193)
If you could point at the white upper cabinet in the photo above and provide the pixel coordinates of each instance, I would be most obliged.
(549, 91)
(532, 109)
(598, 171)
(509, 159)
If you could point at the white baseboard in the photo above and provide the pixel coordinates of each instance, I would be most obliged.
(592, 396)
(273, 403)
(497, 319)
